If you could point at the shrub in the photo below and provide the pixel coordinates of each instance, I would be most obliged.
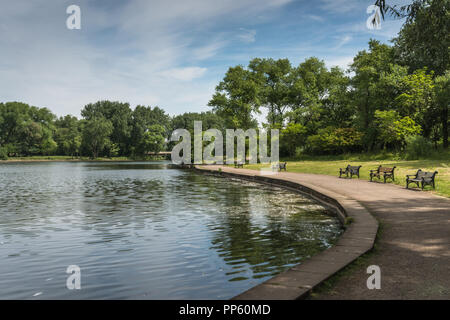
(393, 129)
(417, 147)
(335, 140)
(3, 153)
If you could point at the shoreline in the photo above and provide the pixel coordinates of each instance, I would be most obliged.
(415, 237)
(77, 160)
(358, 238)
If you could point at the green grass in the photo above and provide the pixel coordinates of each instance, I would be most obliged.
(330, 166)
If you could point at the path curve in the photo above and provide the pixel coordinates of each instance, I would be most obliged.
(413, 250)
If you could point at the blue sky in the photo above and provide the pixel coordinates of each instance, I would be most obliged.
(170, 53)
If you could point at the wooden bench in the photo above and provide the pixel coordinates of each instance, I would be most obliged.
(386, 172)
(279, 166)
(421, 177)
(239, 165)
(352, 170)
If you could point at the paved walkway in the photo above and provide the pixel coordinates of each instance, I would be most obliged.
(413, 250)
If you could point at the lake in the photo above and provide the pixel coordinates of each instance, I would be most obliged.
(147, 230)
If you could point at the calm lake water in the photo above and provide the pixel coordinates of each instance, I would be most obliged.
(147, 231)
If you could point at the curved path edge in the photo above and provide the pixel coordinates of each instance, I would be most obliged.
(297, 282)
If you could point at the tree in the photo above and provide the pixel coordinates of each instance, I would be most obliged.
(416, 100)
(408, 11)
(237, 98)
(26, 129)
(334, 140)
(293, 136)
(337, 108)
(153, 140)
(424, 39)
(142, 119)
(308, 91)
(394, 129)
(367, 94)
(424, 42)
(274, 79)
(442, 94)
(119, 114)
(68, 135)
(96, 134)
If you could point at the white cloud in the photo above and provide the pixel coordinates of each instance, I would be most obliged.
(209, 50)
(343, 41)
(184, 74)
(342, 62)
(340, 6)
(315, 17)
(247, 35)
(143, 52)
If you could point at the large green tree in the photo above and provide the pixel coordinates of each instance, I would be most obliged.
(424, 42)
(68, 135)
(96, 133)
(237, 98)
(366, 94)
(119, 114)
(273, 77)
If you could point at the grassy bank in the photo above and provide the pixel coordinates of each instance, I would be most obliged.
(68, 158)
(330, 166)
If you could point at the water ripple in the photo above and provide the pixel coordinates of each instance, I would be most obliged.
(148, 231)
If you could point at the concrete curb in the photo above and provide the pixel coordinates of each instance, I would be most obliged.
(297, 282)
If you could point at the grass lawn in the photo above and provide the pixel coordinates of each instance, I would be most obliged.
(404, 167)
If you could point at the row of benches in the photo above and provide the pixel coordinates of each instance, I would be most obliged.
(421, 178)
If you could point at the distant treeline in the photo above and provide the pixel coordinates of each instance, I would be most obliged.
(391, 98)
(107, 129)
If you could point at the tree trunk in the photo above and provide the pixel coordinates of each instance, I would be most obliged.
(445, 127)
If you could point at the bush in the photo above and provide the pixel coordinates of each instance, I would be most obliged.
(417, 147)
(3, 153)
(334, 141)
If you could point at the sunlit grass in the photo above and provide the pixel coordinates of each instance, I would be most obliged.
(404, 167)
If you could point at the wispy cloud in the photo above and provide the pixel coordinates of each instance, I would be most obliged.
(138, 51)
(343, 41)
(246, 35)
(340, 6)
(167, 53)
(208, 50)
(342, 62)
(315, 17)
(184, 74)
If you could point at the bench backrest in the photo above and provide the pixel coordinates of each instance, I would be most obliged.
(283, 165)
(425, 174)
(353, 168)
(386, 169)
